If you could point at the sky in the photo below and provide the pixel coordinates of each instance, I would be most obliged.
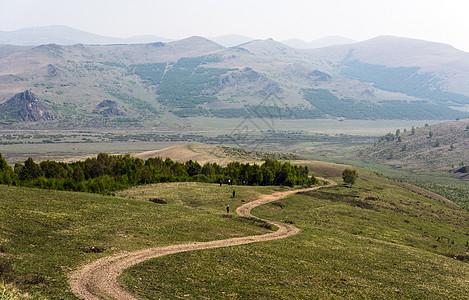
(444, 21)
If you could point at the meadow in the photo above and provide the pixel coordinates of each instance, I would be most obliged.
(374, 240)
(44, 235)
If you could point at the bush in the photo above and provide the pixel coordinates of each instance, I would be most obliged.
(349, 176)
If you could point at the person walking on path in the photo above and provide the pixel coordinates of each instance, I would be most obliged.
(228, 209)
(234, 193)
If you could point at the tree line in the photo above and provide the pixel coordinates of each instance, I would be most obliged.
(106, 173)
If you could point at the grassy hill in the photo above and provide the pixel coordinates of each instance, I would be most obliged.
(437, 148)
(46, 234)
(220, 155)
(376, 239)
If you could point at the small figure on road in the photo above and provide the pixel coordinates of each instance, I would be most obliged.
(228, 209)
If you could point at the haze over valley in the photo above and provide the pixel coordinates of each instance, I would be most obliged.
(244, 150)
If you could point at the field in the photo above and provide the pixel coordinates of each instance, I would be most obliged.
(44, 235)
(374, 240)
(364, 240)
(302, 136)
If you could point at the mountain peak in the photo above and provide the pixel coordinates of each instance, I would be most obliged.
(197, 42)
(26, 107)
(231, 40)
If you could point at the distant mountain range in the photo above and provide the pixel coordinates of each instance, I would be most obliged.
(146, 83)
(319, 43)
(64, 35)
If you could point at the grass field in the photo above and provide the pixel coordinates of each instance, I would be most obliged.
(19, 144)
(374, 240)
(44, 235)
(326, 126)
(442, 183)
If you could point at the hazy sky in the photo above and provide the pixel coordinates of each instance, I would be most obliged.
(445, 21)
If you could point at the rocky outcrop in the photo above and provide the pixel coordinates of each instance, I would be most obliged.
(464, 169)
(26, 107)
(318, 76)
(108, 108)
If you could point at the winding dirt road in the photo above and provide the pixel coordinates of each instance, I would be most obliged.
(98, 280)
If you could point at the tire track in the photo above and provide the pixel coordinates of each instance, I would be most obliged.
(98, 280)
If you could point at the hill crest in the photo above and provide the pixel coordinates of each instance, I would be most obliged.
(437, 148)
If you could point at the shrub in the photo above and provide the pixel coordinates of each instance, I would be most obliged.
(349, 176)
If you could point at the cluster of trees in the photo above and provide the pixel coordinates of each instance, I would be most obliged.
(107, 173)
(271, 112)
(151, 72)
(329, 104)
(401, 79)
(186, 84)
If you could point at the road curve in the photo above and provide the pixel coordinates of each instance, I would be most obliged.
(98, 280)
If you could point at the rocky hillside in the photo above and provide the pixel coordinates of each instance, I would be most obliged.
(26, 107)
(109, 108)
(442, 147)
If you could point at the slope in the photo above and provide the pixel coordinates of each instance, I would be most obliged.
(58, 231)
(437, 148)
(220, 155)
(372, 240)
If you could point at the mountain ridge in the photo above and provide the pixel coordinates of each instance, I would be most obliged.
(60, 34)
(199, 77)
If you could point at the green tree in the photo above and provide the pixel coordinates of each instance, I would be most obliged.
(7, 175)
(3, 164)
(267, 175)
(30, 170)
(349, 176)
(193, 168)
(208, 169)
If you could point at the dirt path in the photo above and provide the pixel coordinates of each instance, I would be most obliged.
(98, 280)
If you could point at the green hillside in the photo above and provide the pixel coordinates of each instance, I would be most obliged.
(374, 239)
(44, 235)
